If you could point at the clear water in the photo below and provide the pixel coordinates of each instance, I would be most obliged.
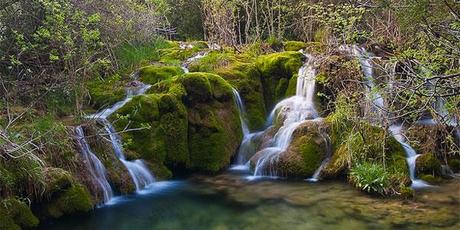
(229, 201)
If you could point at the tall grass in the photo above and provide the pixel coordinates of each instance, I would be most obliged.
(130, 55)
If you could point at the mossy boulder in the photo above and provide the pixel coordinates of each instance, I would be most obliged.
(154, 73)
(74, 199)
(15, 214)
(246, 79)
(294, 45)
(428, 164)
(306, 151)
(276, 70)
(214, 130)
(189, 122)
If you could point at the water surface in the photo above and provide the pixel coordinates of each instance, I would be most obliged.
(230, 201)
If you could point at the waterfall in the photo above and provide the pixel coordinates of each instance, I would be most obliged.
(377, 100)
(295, 110)
(396, 131)
(94, 165)
(192, 59)
(138, 171)
(327, 141)
(242, 112)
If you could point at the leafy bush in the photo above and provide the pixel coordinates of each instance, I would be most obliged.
(370, 177)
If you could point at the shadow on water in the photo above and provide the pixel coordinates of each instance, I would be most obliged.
(230, 201)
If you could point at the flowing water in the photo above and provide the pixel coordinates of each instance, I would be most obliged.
(295, 110)
(327, 141)
(378, 104)
(138, 171)
(94, 165)
(229, 201)
(192, 59)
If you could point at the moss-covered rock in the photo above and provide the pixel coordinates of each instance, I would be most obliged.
(214, 128)
(306, 151)
(246, 79)
(428, 164)
(154, 73)
(294, 45)
(276, 69)
(15, 214)
(188, 122)
(71, 200)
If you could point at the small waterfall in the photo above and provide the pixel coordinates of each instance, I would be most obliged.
(94, 165)
(295, 110)
(242, 112)
(139, 172)
(328, 143)
(192, 59)
(396, 131)
(378, 103)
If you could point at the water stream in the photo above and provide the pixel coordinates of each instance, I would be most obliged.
(138, 171)
(94, 165)
(379, 106)
(295, 110)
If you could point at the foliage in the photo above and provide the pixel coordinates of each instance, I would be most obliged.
(370, 177)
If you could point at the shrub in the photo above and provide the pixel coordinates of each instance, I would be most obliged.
(370, 177)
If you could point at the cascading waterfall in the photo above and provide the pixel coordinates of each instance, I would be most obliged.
(295, 110)
(396, 131)
(247, 147)
(377, 100)
(94, 165)
(140, 174)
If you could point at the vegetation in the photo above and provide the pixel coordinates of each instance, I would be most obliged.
(61, 60)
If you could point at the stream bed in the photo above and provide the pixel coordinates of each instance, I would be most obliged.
(230, 201)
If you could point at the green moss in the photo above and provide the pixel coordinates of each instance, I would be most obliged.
(292, 86)
(72, 200)
(15, 214)
(428, 164)
(246, 79)
(153, 74)
(312, 154)
(406, 192)
(430, 179)
(212, 61)
(454, 164)
(294, 45)
(274, 68)
(197, 87)
(105, 92)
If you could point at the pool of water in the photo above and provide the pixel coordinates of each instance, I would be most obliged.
(231, 201)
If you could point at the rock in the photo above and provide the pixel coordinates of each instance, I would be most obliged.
(428, 164)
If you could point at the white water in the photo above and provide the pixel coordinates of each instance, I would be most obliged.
(396, 131)
(138, 171)
(192, 59)
(242, 112)
(295, 110)
(94, 165)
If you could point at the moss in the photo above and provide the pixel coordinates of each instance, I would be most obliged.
(292, 86)
(406, 192)
(428, 164)
(274, 68)
(294, 45)
(430, 179)
(214, 128)
(212, 61)
(246, 79)
(15, 214)
(72, 200)
(306, 151)
(105, 92)
(153, 74)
